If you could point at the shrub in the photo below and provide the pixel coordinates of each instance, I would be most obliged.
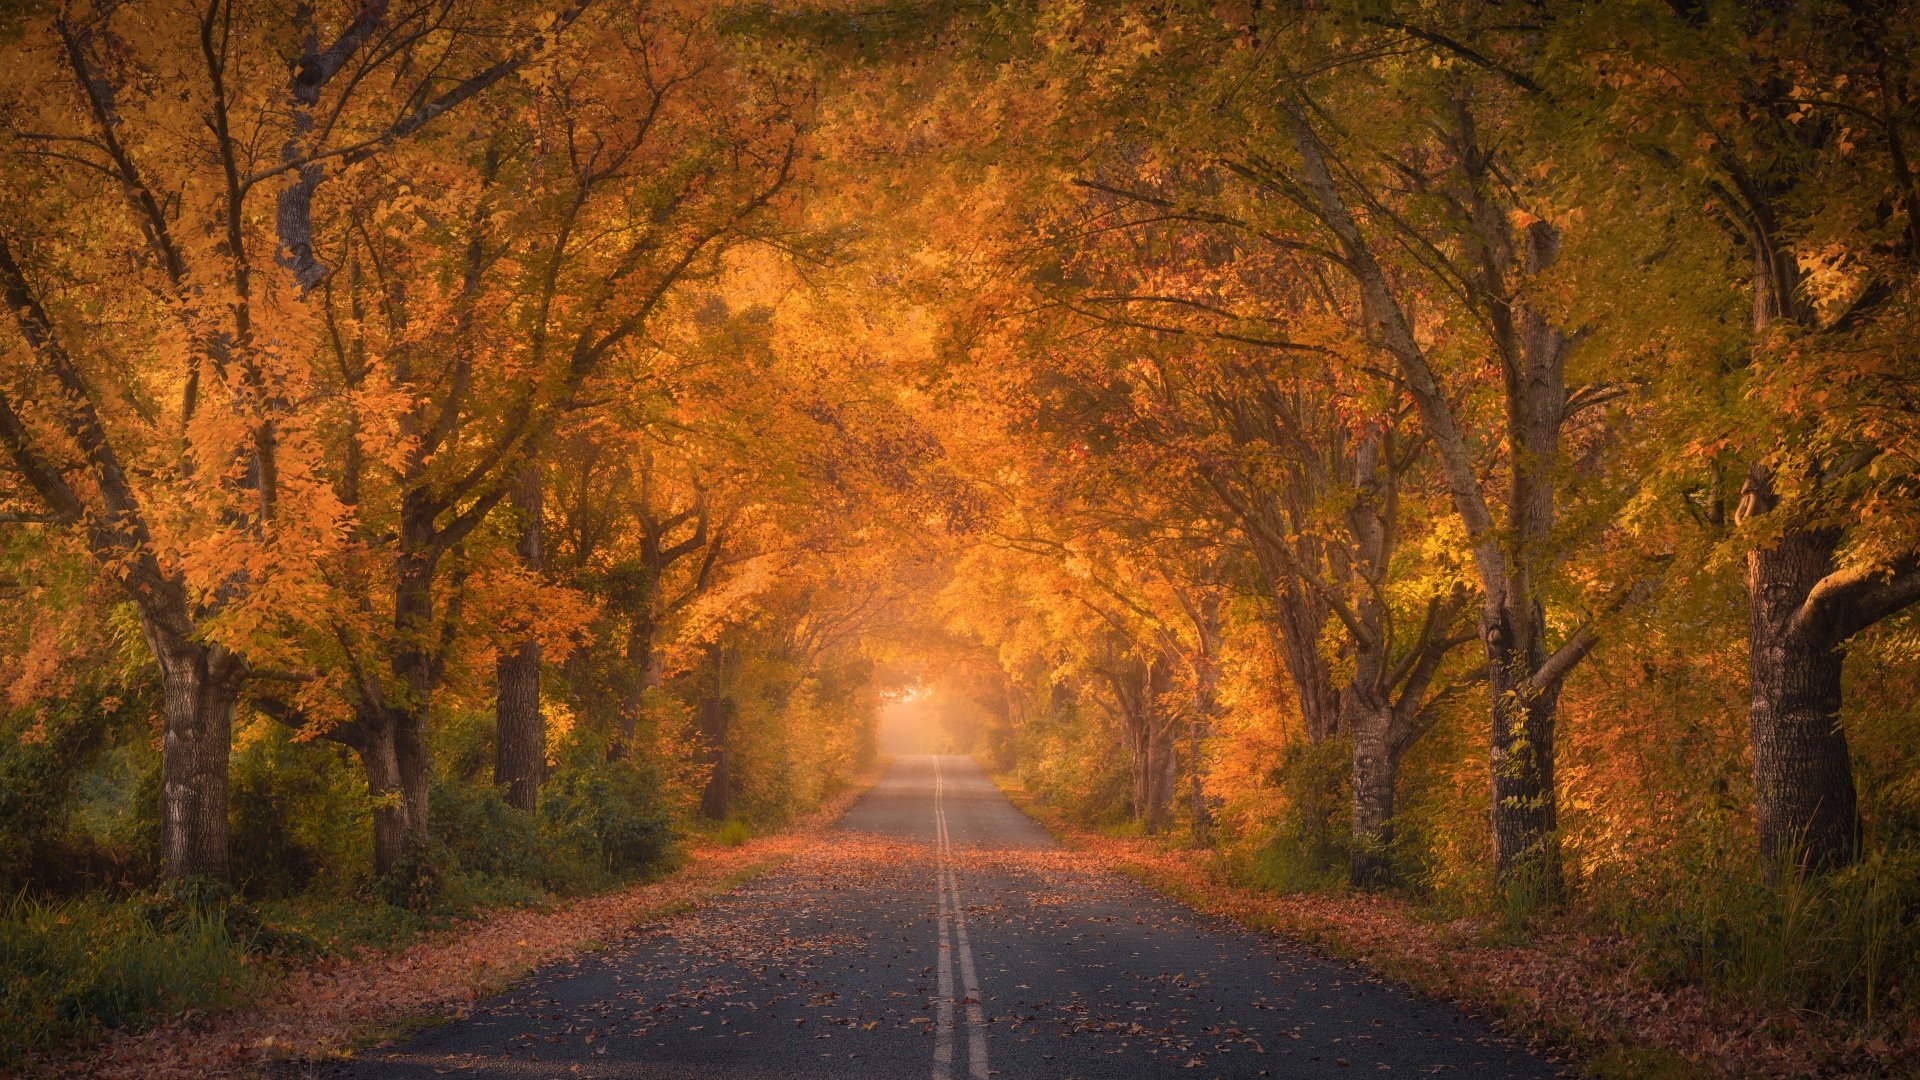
(299, 814)
(620, 806)
(1307, 843)
(74, 968)
(1842, 944)
(477, 831)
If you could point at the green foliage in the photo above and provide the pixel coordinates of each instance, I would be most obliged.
(734, 832)
(1845, 944)
(599, 823)
(76, 967)
(51, 756)
(618, 809)
(299, 815)
(1075, 766)
(1307, 843)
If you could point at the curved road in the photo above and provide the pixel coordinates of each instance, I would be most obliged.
(940, 933)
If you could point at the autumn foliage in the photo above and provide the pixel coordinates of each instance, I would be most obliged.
(456, 450)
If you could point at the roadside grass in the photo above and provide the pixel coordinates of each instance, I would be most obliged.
(79, 967)
(74, 969)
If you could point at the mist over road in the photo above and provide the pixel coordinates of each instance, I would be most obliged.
(938, 932)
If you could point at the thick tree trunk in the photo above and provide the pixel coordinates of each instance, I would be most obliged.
(1376, 766)
(200, 687)
(1525, 814)
(393, 755)
(520, 730)
(1162, 776)
(380, 760)
(398, 767)
(1802, 774)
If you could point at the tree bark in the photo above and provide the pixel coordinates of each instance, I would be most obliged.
(1300, 618)
(1205, 705)
(380, 761)
(1156, 763)
(397, 763)
(716, 718)
(1524, 810)
(1163, 777)
(640, 673)
(1201, 814)
(1376, 763)
(200, 684)
(520, 730)
(1804, 802)
(1802, 773)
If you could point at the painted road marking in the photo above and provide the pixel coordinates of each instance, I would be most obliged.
(954, 942)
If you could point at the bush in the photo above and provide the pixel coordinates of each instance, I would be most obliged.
(477, 831)
(77, 967)
(1843, 944)
(48, 755)
(620, 806)
(1307, 844)
(299, 814)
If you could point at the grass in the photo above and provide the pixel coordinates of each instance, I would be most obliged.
(78, 967)
(73, 969)
(1843, 945)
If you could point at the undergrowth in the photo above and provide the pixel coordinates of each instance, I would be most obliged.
(76, 967)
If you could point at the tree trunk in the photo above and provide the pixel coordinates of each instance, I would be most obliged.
(1162, 777)
(1525, 814)
(641, 673)
(1157, 764)
(520, 730)
(716, 717)
(394, 757)
(1376, 766)
(200, 686)
(1802, 774)
(397, 749)
(1804, 802)
(1139, 747)
(380, 760)
(1201, 814)
(1205, 704)
(1295, 634)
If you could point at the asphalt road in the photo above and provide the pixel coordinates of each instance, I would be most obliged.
(940, 933)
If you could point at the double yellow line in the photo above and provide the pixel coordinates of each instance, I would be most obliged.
(953, 943)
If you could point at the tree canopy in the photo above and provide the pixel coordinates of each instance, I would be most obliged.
(1465, 449)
